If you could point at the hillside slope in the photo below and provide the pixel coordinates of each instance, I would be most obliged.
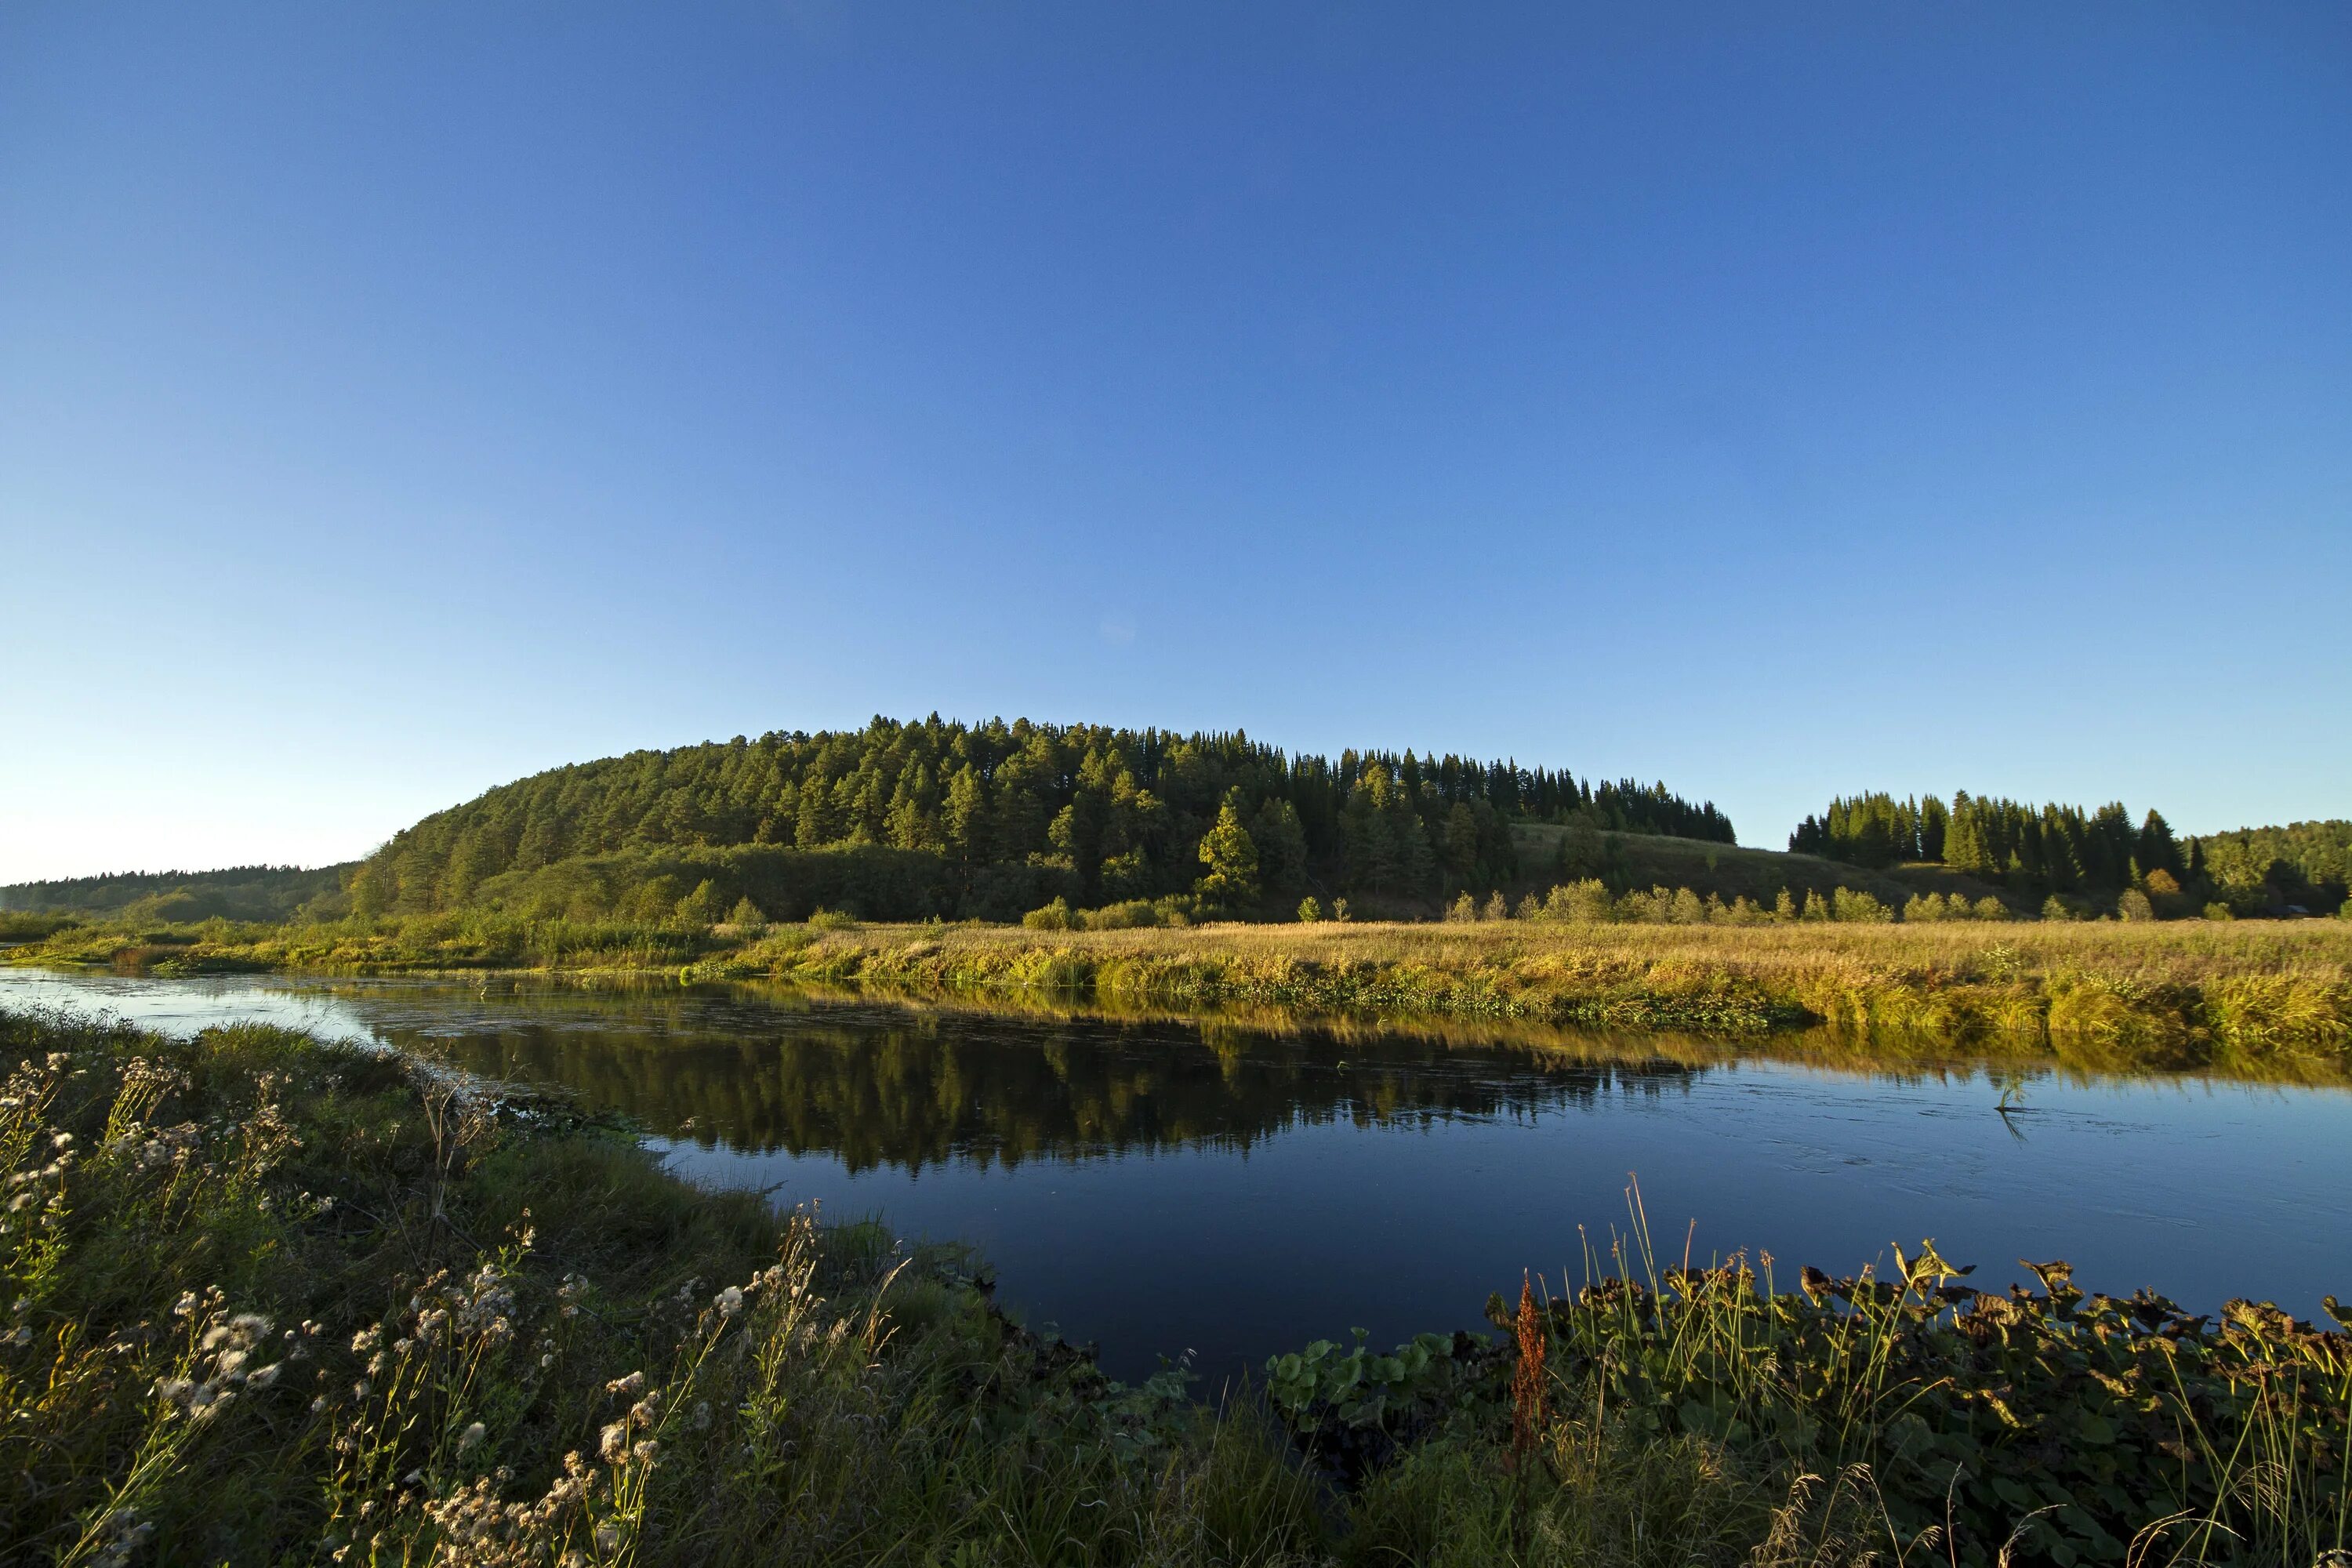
(237, 893)
(932, 817)
(1630, 862)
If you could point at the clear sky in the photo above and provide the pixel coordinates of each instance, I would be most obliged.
(1779, 400)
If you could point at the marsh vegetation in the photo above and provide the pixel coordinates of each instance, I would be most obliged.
(273, 1298)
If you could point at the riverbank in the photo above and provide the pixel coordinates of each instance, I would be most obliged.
(273, 1300)
(2185, 992)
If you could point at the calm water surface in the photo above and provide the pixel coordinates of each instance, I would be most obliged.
(1226, 1192)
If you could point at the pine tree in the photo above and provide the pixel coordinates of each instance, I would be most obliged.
(1231, 882)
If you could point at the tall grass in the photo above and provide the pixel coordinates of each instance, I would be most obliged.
(271, 1300)
(277, 1302)
(1670, 1414)
(2234, 993)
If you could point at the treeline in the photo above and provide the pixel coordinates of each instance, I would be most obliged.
(2064, 850)
(1588, 902)
(992, 820)
(239, 893)
(2308, 864)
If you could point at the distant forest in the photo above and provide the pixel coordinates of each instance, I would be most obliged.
(2064, 850)
(239, 893)
(992, 820)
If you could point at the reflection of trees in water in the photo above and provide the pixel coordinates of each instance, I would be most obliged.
(912, 1089)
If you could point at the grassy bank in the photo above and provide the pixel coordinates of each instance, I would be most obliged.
(277, 1301)
(2179, 992)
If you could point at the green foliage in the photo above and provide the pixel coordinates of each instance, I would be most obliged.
(2066, 1426)
(2305, 864)
(2064, 851)
(1360, 1388)
(1310, 910)
(1230, 881)
(1054, 916)
(280, 1302)
(239, 893)
(1858, 908)
(913, 820)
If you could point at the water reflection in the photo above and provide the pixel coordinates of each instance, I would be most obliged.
(932, 1089)
(1239, 1184)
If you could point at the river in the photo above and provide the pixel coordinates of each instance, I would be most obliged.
(1218, 1190)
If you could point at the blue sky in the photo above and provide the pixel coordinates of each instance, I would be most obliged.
(1781, 401)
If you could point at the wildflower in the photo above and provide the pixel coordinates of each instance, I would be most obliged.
(645, 1451)
(613, 1443)
(627, 1387)
(730, 1302)
(262, 1377)
(472, 1435)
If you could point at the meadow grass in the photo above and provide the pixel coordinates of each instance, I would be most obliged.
(277, 1301)
(2185, 991)
(2248, 996)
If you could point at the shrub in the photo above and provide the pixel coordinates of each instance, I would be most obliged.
(1856, 908)
(2135, 906)
(1587, 901)
(1127, 915)
(1054, 916)
(1310, 910)
(834, 920)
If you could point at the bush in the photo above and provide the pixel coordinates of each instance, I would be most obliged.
(831, 920)
(2135, 906)
(1855, 908)
(1124, 916)
(1310, 910)
(1587, 901)
(1054, 916)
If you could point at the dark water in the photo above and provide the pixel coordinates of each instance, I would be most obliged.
(1209, 1188)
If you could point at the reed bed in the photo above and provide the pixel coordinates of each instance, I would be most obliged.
(2185, 992)
(2248, 996)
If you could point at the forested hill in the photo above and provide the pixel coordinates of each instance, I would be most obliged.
(992, 820)
(240, 892)
(2066, 850)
